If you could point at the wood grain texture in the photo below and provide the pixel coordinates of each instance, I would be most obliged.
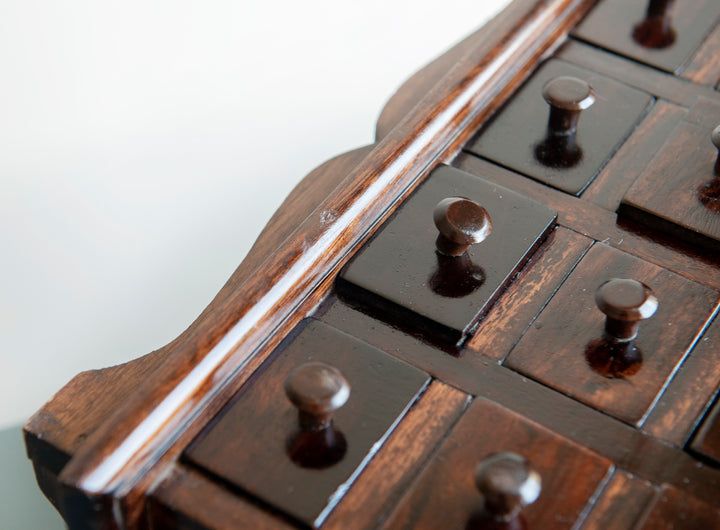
(681, 408)
(621, 504)
(705, 65)
(611, 184)
(598, 223)
(388, 475)
(118, 457)
(558, 349)
(528, 294)
(420, 83)
(676, 193)
(610, 25)
(186, 499)
(652, 81)
(673, 509)
(445, 496)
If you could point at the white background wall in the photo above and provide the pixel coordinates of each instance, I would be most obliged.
(144, 144)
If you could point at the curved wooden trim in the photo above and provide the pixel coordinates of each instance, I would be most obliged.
(205, 369)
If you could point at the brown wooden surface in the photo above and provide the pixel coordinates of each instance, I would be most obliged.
(621, 504)
(444, 495)
(610, 25)
(669, 194)
(652, 81)
(398, 461)
(689, 394)
(675, 510)
(512, 137)
(400, 274)
(611, 184)
(247, 445)
(705, 65)
(558, 349)
(528, 293)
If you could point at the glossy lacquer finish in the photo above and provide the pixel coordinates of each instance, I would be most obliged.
(401, 273)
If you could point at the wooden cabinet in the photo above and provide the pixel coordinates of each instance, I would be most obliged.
(450, 354)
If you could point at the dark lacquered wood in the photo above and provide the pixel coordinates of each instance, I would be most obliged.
(656, 30)
(566, 348)
(399, 273)
(518, 137)
(445, 496)
(256, 444)
(398, 461)
(621, 504)
(679, 191)
(567, 97)
(317, 390)
(460, 223)
(646, 32)
(673, 509)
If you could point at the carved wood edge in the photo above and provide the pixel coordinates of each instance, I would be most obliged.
(65, 421)
(186, 382)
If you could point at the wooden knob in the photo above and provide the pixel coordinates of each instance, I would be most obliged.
(507, 484)
(567, 97)
(656, 30)
(626, 303)
(317, 390)
(715, 137)
(461, 223)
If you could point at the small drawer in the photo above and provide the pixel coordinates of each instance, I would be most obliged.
(623, 27)
(678, 193)
(569, 349)
(520, 137)
(445, 494)
(257, 444)
(401, 277)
